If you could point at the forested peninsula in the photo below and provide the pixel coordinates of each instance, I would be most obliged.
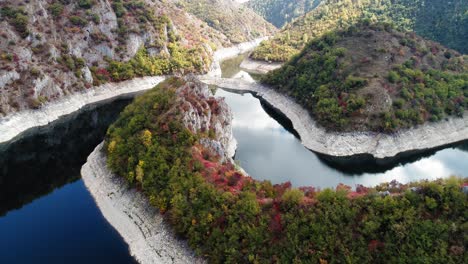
(227, 216)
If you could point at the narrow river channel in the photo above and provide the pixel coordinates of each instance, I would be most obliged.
(268, 149)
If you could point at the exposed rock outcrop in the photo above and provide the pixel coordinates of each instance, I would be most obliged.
(259, 67)
(16, 123)
(72, 43)
(204, 113)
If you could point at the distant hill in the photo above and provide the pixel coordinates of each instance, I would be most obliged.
(236, 21)
(373, 77)
(442, 21)
(280, 12)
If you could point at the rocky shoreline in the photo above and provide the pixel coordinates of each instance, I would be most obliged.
(227, 53)
(149, 237)
(259, 67)
(14, 124)
(17, 123)
(379, 145)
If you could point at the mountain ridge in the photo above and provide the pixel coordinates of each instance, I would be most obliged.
(446, 23)
(373, 77)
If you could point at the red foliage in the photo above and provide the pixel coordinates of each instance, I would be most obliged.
(281, 188)
(352, 195)
(306, 201)
(343, 187)
(275, 224)
(361, 189)
(308, 191)
(365, 60)
(265, 201)
(375, 245)
(458, 100)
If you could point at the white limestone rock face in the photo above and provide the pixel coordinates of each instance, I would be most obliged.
(12, 125)
(87, 75)
(45, 86)
(108, 22)
(204, 113)
(134, 42)
(259, 67)
(7, 77)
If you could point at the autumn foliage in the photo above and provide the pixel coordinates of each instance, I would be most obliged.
(227, 216)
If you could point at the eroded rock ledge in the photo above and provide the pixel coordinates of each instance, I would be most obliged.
(259, 67)
(379, 145)
(150, 239)
(14, 124)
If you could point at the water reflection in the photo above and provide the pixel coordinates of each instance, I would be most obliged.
(268, 151)
(42, 159)
(58, 221)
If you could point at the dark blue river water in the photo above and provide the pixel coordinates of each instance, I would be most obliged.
(46, 213)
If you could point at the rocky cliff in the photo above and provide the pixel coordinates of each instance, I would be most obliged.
(49, 49)
(202, 113)
(16, 123)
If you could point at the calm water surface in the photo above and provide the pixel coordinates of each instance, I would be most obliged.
(46, 213)
(268, 150)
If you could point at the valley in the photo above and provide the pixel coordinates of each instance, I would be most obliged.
(233, 131)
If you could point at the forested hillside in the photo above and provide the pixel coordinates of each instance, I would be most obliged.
(442, 21)
(237, 22)
(228, 217)
(49, 49)
(372, 77)
(280, 12)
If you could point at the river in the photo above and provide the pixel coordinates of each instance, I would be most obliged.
(269, 149)
(48, 216)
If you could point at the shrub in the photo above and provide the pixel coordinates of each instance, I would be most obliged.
(86, 4)
(119, 8)
(78, 21)
(56, 9)
(393, 77)
(17, 18)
